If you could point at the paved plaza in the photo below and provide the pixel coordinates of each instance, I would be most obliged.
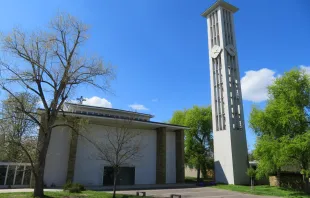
(201, 192)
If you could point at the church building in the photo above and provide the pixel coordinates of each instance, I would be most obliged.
(71, 157)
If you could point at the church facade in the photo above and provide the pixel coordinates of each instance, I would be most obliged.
(71, 156)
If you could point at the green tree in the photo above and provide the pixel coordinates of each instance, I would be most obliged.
(198, 138)
(18, 132)
(251, 173)
(282, 126)
(297, 149)
(251, 156)
(287, 110)
(269, 152)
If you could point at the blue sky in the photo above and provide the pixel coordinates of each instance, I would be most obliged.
(160, 47)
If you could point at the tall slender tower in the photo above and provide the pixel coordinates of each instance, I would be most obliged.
(230, 147)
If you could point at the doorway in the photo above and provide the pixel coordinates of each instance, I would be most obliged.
(126, 176)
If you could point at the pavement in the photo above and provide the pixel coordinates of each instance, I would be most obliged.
(13, 190)
(197, 192)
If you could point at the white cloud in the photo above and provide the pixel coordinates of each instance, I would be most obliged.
(155, 100)
(97, 101)
(254, 84)
(138, 107)
(306, 68)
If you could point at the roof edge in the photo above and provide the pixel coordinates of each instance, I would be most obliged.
(219, 3)
(139, 121)
(112, 109)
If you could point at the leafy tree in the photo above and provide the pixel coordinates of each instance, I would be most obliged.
(17, 130)
(251, 156)
(297, 149)
(283, 125)
(198, 139)
(251, 173)
(269, 152)
(287, 110)
(51, 66)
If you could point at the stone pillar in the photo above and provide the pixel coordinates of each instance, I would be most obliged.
(179, 156)
(72, 155)
(161, 156)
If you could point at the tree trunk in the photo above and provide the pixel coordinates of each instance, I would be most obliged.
(252, 183)
(114, 184)
(39, 179)
(198, 174)
(43, 142)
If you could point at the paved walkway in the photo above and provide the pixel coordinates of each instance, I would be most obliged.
(199, 192)
(25, 190)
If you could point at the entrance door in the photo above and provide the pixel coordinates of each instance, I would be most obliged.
(126, 176)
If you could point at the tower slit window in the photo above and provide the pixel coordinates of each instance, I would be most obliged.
(218, 94)
(221, 97)
(215, 91)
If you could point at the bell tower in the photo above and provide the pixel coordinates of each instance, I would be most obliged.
(230, 146)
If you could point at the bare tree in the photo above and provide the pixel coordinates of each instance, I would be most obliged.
(120, 147)
(17, 130)
(50, 66)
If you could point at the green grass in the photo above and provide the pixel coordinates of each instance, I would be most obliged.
(264, 190)
(61, 194)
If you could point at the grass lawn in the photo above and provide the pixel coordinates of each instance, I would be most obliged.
(83, 194)
(264, 190)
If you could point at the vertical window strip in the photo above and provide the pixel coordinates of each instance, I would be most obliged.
(216, 92)
(222, 95)
(217, 27)
(230, 28)
(215, 31)
(219, 94)
(225, 26)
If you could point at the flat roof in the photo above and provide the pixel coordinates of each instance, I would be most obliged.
(217, 4)
(110, 118)
(111, 109)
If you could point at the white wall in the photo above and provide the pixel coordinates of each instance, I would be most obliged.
(89, 170)
(56, 162)
(170, 158)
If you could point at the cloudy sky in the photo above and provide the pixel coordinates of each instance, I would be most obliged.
(160, 51)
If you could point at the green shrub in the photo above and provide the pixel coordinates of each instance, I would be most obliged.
(73, 187)
(251, 172)
(80, 186)
(67, 186)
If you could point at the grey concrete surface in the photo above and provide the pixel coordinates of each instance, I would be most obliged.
(199, 192)
(25, 190)
(202, 192)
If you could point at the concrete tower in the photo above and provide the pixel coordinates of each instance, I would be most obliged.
(230, 147)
